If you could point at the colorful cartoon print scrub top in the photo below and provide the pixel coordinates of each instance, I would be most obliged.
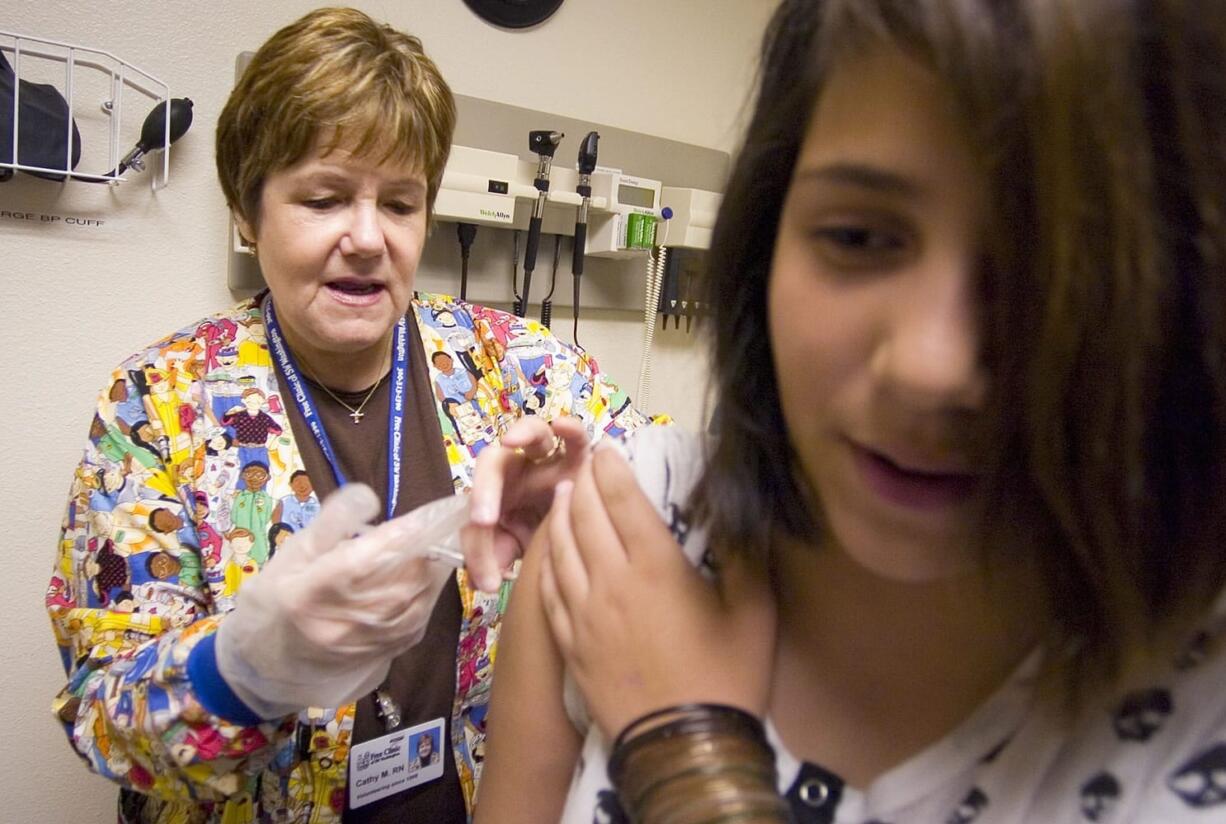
(163, 526)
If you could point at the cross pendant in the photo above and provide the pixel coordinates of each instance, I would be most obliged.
(357, 416)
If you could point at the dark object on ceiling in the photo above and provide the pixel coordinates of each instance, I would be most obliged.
(514, 14)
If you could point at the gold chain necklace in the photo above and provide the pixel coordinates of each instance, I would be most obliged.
(354, 412)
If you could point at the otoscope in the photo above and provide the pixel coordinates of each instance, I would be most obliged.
(587, 164)
(544, 143)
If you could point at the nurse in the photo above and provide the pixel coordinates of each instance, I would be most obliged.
(264, 677)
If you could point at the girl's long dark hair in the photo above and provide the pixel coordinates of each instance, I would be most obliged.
(1101, 126)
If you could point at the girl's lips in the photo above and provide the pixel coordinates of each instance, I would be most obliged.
(355, 292)
(910, 488)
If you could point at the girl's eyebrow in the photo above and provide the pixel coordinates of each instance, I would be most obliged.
(863, 176)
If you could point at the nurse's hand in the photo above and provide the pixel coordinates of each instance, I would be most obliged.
(321, 622)
(639, 627)
(512, 491)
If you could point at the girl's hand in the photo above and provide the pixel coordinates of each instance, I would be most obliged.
(512, 491)
(639, 627)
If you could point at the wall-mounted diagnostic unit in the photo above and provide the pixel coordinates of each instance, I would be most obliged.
(495, 189)
(490, 182)
(628, 223)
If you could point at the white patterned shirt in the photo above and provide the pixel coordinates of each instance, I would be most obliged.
(1153, 753)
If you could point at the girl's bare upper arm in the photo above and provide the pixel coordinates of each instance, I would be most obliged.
(531, 746)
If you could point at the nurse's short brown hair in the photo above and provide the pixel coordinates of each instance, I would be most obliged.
(335, 77)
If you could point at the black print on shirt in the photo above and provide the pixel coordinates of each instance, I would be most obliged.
(970, 808)
(1142, 714)
(608, 809)
(1201, 782)
(995, 751)
(1196, 651)
(1098, 797)
(678, 522)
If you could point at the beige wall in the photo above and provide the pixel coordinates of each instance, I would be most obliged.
(78, 299)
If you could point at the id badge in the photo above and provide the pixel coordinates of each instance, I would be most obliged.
(395, 762)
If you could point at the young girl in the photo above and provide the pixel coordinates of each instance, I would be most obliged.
(963, 498)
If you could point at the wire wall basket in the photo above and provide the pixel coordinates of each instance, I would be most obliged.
(83, 74)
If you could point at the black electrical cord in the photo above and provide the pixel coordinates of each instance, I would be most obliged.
(575, 331)
(466, 232)
(547, 303)
(586, 165)
(517, 307)
(534, 239)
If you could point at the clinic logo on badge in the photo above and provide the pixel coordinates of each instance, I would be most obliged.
(363, 760)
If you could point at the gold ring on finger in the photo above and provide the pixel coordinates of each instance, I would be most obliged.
(556, 451)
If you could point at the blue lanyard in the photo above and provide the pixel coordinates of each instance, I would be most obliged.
(306, 405)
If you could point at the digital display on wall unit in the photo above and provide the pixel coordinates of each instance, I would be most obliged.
(636, 196)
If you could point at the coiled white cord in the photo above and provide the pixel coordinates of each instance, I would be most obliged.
(656, 261)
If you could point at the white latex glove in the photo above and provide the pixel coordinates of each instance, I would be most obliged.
(321, 622)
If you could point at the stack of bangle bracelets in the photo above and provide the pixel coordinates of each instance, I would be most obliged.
(697, 763)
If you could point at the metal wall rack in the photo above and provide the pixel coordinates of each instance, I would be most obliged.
(24, 49)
